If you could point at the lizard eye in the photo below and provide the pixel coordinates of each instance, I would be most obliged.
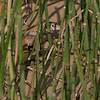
(53, 26)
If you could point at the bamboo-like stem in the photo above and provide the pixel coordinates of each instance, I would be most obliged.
(66, 58)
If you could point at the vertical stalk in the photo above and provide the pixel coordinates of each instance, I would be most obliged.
(66, 56)
(37, 48)
(2, 49)
(20, 67)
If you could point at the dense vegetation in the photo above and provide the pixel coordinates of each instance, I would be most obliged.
(54, 59)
